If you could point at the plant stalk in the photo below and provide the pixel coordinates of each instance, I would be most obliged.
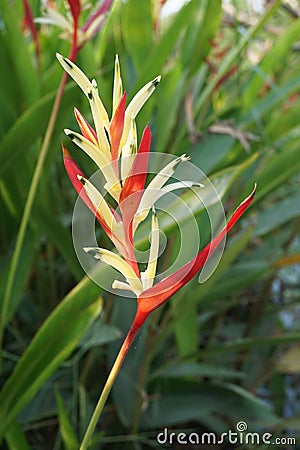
(136, 325)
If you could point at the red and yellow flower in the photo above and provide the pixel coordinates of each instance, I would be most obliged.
(112, 145)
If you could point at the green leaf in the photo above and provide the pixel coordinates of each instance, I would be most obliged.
(194, 369)
(220, 276)
(160, 53)
(15, 438)
(276, 168)
(137, 28)
(186, 328)
(29, 126)
(199, 34)
(276, 215)
(171, 91)
(99, 334)
(210, 151)
(262, 108)
(67, 433)
(52, 344)
(273, 64)
(22, 274)
(178, 403)
(126, 390)
(232, 55)
(20, 59)
(60, 237)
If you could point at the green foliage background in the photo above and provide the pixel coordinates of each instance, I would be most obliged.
(217, 353)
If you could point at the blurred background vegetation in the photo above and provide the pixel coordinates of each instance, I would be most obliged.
(217, 353)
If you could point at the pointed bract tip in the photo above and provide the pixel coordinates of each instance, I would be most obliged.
(184, 157)
(251, 196)
(66, 153)
(93, 251)
(81, 179)
(156, 80)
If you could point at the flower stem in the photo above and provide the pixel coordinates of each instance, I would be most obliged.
(136, 325)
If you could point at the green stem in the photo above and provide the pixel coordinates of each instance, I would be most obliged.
(136, 325)
(29, 203)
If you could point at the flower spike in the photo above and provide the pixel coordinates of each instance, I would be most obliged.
(113, 147)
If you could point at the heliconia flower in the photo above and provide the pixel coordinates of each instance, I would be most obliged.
(28, 22)
(112, 145)
(70, 25)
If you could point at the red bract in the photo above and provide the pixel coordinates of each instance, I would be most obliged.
(135, 182)
(75, 9)
(116, 130)
(162, 291)
(29, 23)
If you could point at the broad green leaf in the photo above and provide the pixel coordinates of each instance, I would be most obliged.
(276, 168)
(59, 236)
(186, 328)
(262, 108)
(195, 369)
(67, 432)
(137, 28)
(126, 390)
(235, 52)
(210, 151)
(22, 274)
(289, 362)
(99, 334)
(171, 91)
(292, 423)
(199, 34)
(239, 276)
(231, 252)
(284, 120)
(161, 52)
(233, 401)
(28, 81)
(274, 62)
(29, 126)
(277, 214)
(15, 438)
(52, 344)
(252, 343)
